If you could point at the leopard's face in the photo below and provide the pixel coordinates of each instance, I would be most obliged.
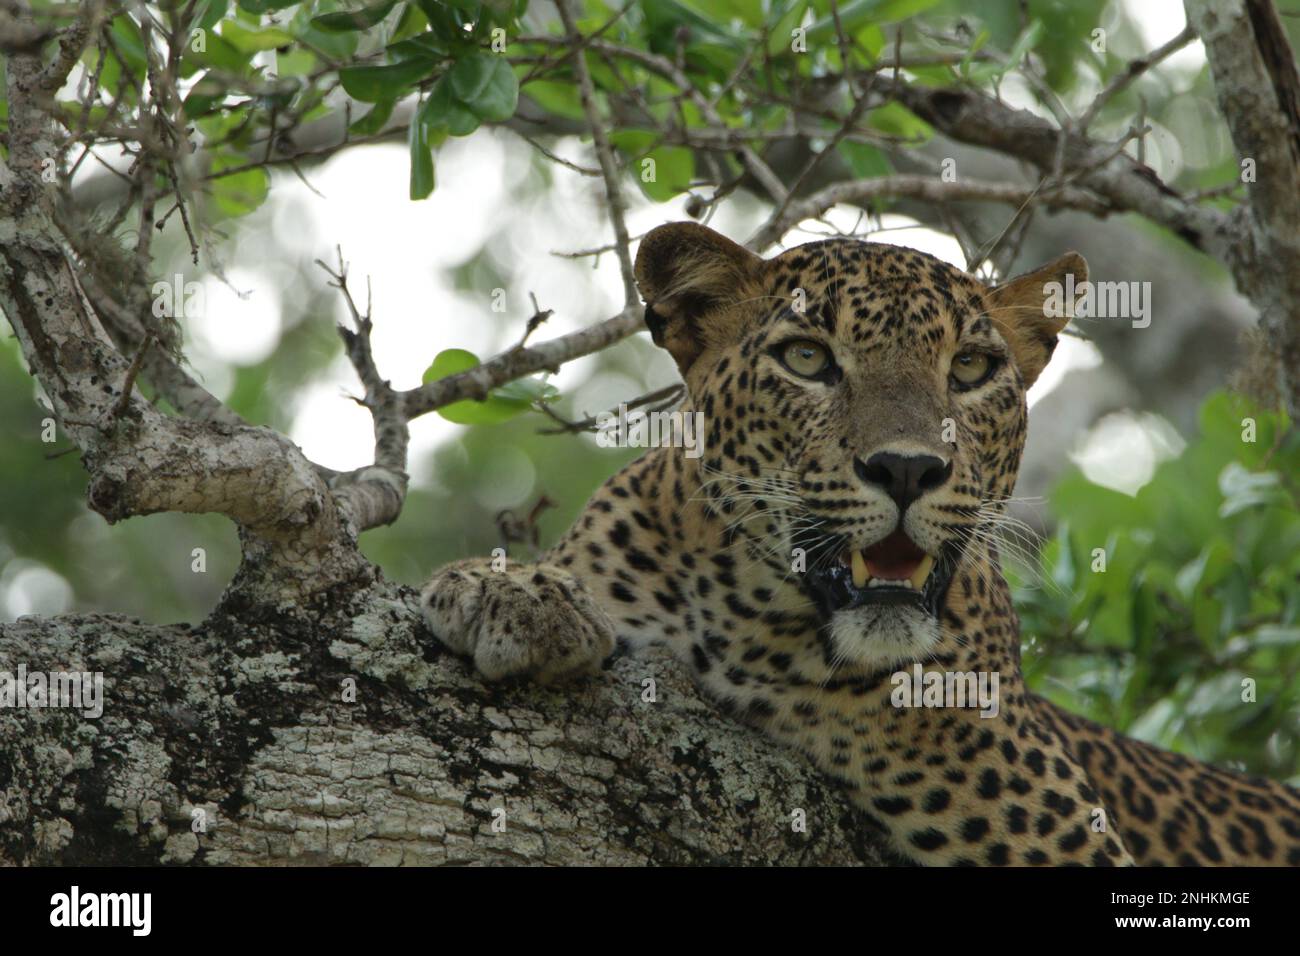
(864, 420)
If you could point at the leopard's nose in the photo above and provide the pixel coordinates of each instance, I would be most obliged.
(903, 477)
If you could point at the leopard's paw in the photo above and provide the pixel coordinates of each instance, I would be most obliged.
(530, 620)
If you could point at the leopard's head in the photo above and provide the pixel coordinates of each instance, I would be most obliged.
(864, 414)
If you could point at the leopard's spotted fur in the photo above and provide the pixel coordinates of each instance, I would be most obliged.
(698, 553)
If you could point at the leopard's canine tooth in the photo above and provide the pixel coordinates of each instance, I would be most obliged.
(860, 575)
(922, 572)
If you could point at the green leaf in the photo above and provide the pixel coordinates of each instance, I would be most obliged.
(1153, 725)
(560, 99)
(421, 161)
(432, 9)
(486, 85)
(498, 407)
(426, 46)
(247, 40)
(217, 53)
(664, 17)
(296, 61)
(203, 96)
(129, 44)
(370, 84)
(1027, 40)
(781, 40)
(750, 12)
(860, 13)
(714, 58)
(1215, 695)
(335, 47)
(976, 45)
(1207, 570)
(443, 111)
(209, 12)
(239, 193)
(528, 390)
(362, 19)
(470, 76)
(670, 168)
(897, 120)
(410, 22)
(374, 121)
(872, 40)
(865, 160)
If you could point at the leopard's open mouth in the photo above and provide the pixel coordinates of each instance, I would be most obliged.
(892, 571)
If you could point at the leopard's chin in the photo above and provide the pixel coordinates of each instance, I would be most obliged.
(881, 636)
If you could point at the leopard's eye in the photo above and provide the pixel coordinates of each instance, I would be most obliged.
(806, 358)
(971, 368)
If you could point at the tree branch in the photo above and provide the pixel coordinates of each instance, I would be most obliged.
(1127, 185)
(925, 188)
(1259, 94)
(372, 496)
(296, 544)
(514, 363)
(235, 743)
(1124, 79)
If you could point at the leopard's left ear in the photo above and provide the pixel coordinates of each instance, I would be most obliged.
(1030, 310)
(692, 279)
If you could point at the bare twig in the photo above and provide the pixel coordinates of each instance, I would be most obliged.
(517, 362)
(605, 154)
(658, 399)
(372, 496)
(129, 383)
(71, 42)
(1125, 77)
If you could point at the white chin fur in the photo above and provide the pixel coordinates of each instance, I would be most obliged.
(879, 637)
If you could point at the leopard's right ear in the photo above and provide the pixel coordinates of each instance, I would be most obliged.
(692, 280)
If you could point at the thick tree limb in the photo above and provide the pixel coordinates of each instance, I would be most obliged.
(296, 541)
(241, 730)
(1259, 94)
(926, 189)
(1129, 186)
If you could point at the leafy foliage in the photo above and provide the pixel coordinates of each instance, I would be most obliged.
(1199, 594)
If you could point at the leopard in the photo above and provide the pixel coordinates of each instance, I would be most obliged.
(864, 411)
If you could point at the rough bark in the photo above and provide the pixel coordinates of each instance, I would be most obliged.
(243, 723)
(1258, 88)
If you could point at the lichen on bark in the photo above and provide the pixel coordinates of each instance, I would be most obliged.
(245, 725)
